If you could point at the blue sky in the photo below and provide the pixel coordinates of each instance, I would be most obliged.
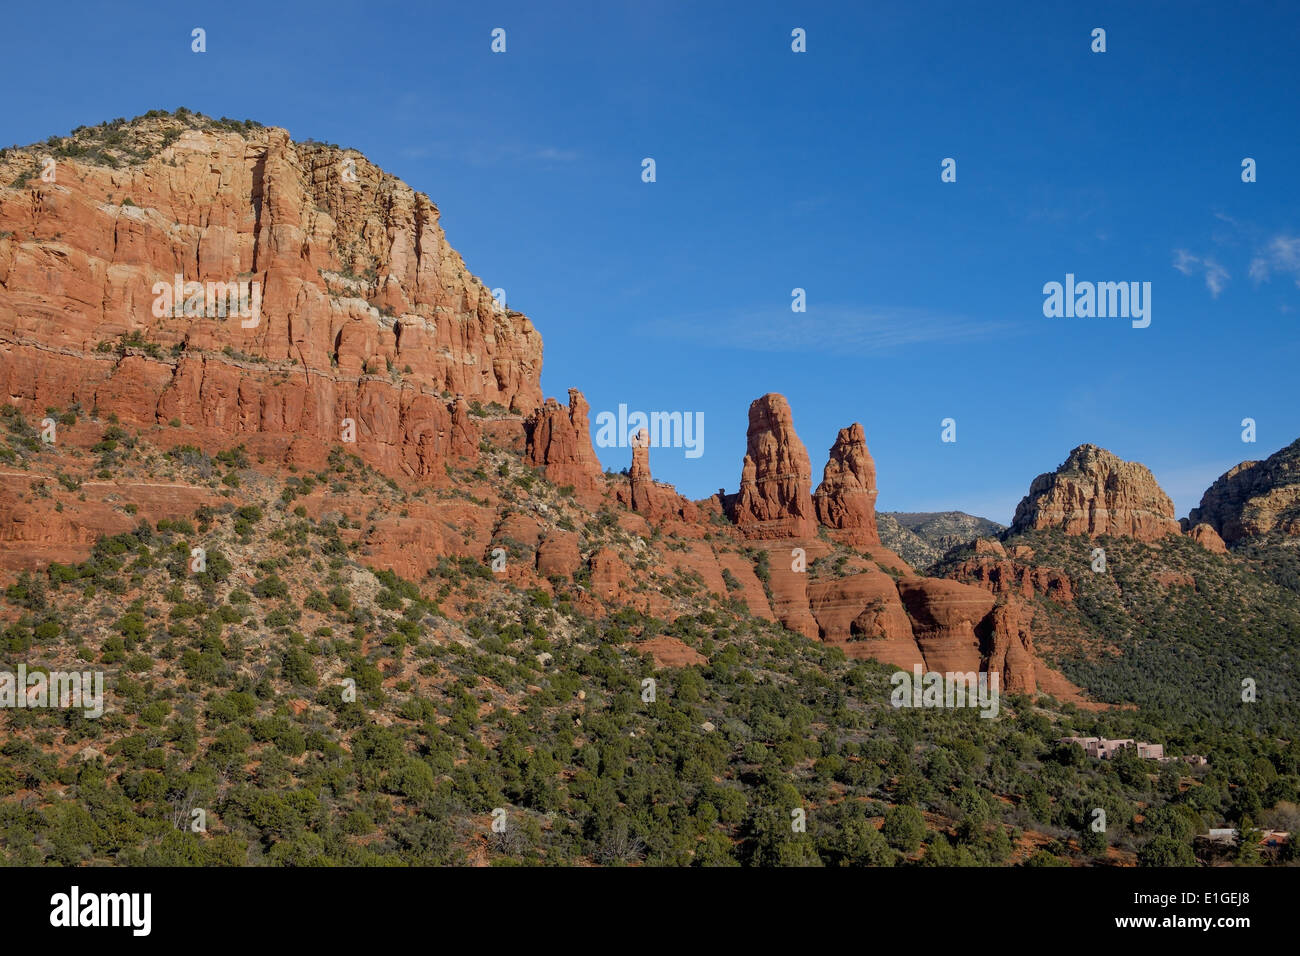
(819, 170)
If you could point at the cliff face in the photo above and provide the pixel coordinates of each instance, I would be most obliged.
(1255, 498)
(1097, 493)
(365, 313)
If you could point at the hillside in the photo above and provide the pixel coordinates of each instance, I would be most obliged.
(472, 693)
(1201, 621)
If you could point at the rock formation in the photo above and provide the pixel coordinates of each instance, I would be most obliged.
(846, 498)
(1205, 535)
(944, 617)
(1255, 498)
(366, 312)
(941, 624)
(559, 443)
(371, 338)
(1010, 649)
(1096, 493)
(862, 614)
(993, 568)
(558, 554)
(775, 499)
(610, 575)
(653, 499)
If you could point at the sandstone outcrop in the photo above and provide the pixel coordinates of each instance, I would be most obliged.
(775, 499)
(941, 624)
(517, 530)
(655, 500)
(1205, 535)
(371, 338)
(558, 554)
(1010, 647)
(944, 616)
(610, 575)
(863, 615)
(1255, 498)
(993, 568)
(788, 583)
(366, 312)
(1097, 493)
(559, 443)
(846, 499)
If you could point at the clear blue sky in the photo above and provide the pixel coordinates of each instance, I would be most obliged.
(819, 170)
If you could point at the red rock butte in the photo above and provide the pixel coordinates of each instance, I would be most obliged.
(775, 499)
(846, 498)
(367, 313)
(1097, 493)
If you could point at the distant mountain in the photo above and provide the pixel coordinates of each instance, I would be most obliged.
(922, 537)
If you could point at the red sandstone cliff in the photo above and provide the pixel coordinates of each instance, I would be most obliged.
(559, 442)
(370, 327)
(366, 312)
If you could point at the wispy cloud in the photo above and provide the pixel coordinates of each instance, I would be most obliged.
(1216, 276)
(842, 330)
(482, 153)
(1281, 255)
(553, 155)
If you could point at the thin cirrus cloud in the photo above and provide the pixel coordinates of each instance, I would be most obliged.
(841, 330)
(1280, 255)
(551, 154)
(484, 153)
(1216, 276)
